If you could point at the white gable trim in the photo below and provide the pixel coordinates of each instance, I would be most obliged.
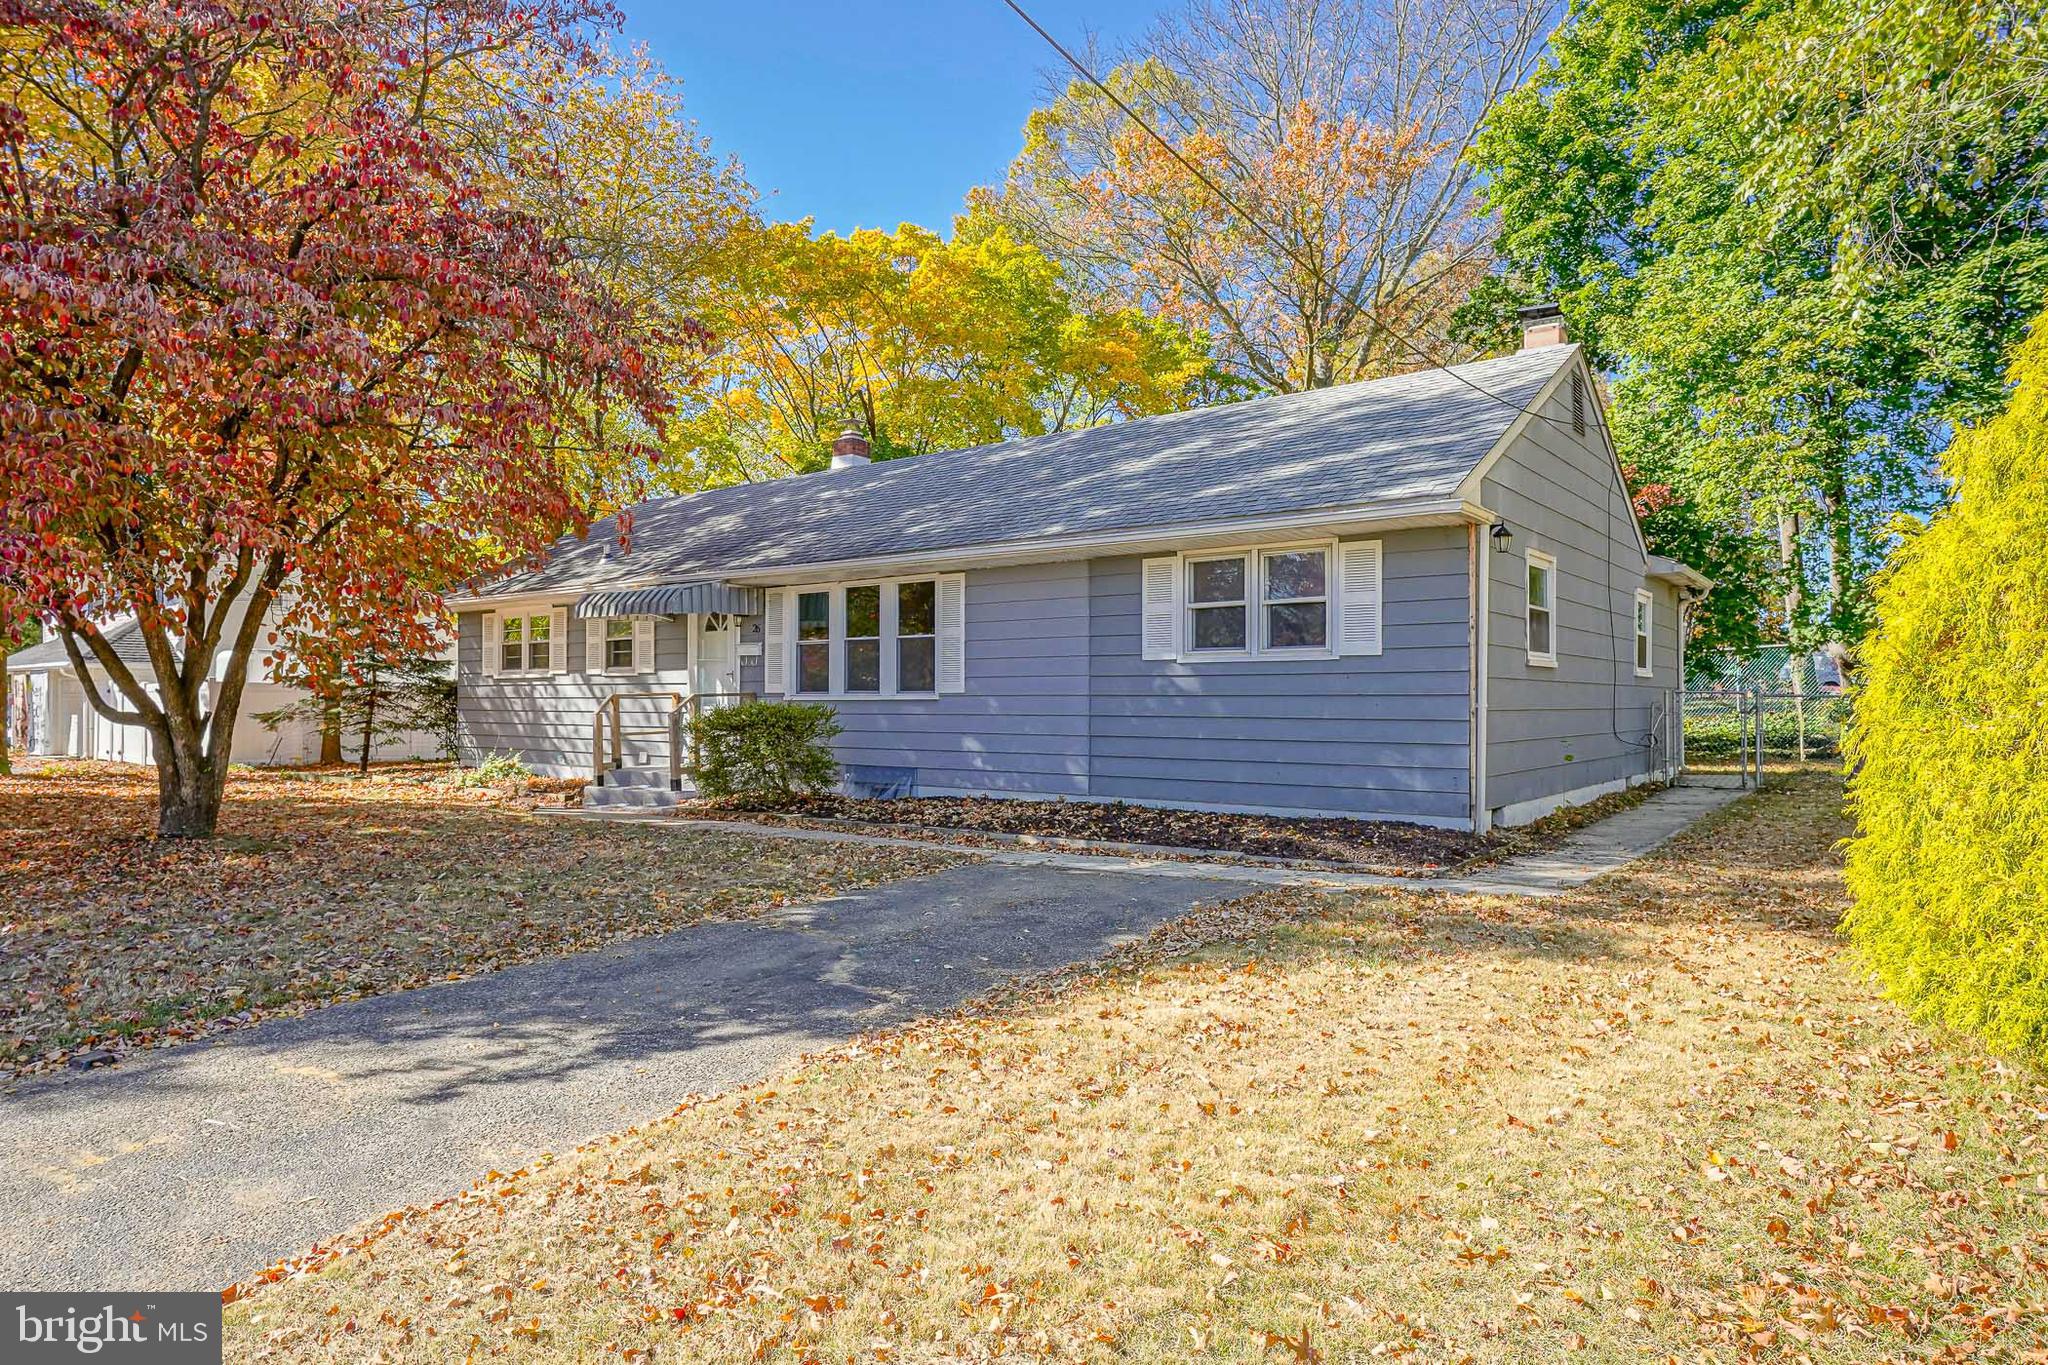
(1597, 413)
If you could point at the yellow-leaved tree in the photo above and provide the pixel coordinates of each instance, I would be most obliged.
(1949, 868)
(926, 343)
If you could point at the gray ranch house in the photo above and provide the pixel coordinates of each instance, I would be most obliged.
(1423, 598)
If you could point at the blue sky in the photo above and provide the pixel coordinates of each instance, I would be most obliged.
(867, 115)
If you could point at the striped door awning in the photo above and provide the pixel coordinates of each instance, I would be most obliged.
(674, 599)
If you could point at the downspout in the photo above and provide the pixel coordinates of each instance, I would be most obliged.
(1480, 557)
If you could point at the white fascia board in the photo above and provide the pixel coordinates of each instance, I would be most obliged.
(1387, 516)
(1338, 521)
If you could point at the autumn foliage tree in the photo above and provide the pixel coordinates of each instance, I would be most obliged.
(924, 342)
(1337, 129)
(275, 361)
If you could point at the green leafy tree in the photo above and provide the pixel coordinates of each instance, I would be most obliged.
(378, 697)
(1949, 867)
(1802, 234)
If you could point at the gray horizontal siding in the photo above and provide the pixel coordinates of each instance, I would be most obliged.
(546, 721)
(1021, 727)
(1385, 735)
(1580, 724)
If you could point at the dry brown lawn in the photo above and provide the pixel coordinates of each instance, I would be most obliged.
(324, 887)
(1662, 1118)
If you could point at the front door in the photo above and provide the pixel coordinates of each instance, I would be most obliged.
(716, 673)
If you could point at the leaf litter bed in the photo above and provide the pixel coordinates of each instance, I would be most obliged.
(1383, 845)
(1663, 1116)
(325, 887)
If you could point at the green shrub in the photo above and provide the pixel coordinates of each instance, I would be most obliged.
(495, 770)
(1949, 868)
(764, 750)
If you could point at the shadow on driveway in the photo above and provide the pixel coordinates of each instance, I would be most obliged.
(194, 1166)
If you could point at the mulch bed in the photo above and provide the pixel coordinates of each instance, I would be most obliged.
(1324, 839)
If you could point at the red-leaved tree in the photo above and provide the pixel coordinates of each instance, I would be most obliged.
(277, 363)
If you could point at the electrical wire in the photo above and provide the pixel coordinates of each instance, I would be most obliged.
(1223, 196)
(1315, 270)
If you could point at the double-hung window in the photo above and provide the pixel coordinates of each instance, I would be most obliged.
(524, 643)
(862, 640)
(868, 639)
(618, 643)
(1643, 609)
(1542, 609)
(1216, 605)
(1296, 588)
(917, 636)
(814, 641)
(1259, 602)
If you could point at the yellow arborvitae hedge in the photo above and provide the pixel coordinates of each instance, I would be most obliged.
(1950, 864)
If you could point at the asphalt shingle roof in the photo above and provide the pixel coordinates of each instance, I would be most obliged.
(1409, 436)
(124, 636)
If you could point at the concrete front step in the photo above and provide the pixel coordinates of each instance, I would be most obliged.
(633, 789)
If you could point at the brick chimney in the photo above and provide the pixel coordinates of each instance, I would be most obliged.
(1542, 325)
(849, 450)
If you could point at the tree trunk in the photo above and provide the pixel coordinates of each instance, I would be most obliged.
(369, 726)
(330, 735)
(189, 789)
(6, 713)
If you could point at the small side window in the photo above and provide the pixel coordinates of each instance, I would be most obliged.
(618, 644)
(814, 642)
(1644, 607)
(1542, 609)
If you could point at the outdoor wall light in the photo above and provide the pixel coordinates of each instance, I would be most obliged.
(1501, 537)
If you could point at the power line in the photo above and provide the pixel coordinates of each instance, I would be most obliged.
(1314, 269)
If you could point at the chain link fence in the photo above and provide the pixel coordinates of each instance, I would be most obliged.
(1750, 732)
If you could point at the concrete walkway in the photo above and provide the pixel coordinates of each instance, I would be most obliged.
(1580, 857)
(191, 1167)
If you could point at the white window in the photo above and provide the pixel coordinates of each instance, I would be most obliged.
(1643, 609)
(1296, 590)
(1542, 609)
(862, 639)
(814, 641)
(1217, 606)
(917, 636)
(900, 637)
(1269, 601)
(526, 643)
(618, 643)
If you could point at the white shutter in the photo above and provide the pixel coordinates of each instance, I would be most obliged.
(643, 644)
(1161, 610)
(593, 644)
(952, 641)
(775, 643)
(1358, 597)
(493, 650)
(558, 640)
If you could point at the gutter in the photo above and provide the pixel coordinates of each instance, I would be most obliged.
(1440, 511)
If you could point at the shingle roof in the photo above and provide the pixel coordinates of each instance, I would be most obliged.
(1410, 436)
(124, 636)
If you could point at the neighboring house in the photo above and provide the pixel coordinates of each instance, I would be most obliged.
(50, 714)
(1403, 599)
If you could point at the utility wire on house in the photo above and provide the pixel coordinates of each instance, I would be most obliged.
(1223, 196)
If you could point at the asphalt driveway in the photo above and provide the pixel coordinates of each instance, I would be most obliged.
(195, 1166)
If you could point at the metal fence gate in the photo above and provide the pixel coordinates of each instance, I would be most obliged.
(1746, 733)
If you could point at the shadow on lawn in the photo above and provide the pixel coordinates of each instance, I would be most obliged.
(705, 1006)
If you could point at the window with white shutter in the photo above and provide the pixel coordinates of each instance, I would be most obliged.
(643, 644)
(1360, 597)
(594, 644)
(490, 638)
(775, 644)
(952, 643)
(1159, 581)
